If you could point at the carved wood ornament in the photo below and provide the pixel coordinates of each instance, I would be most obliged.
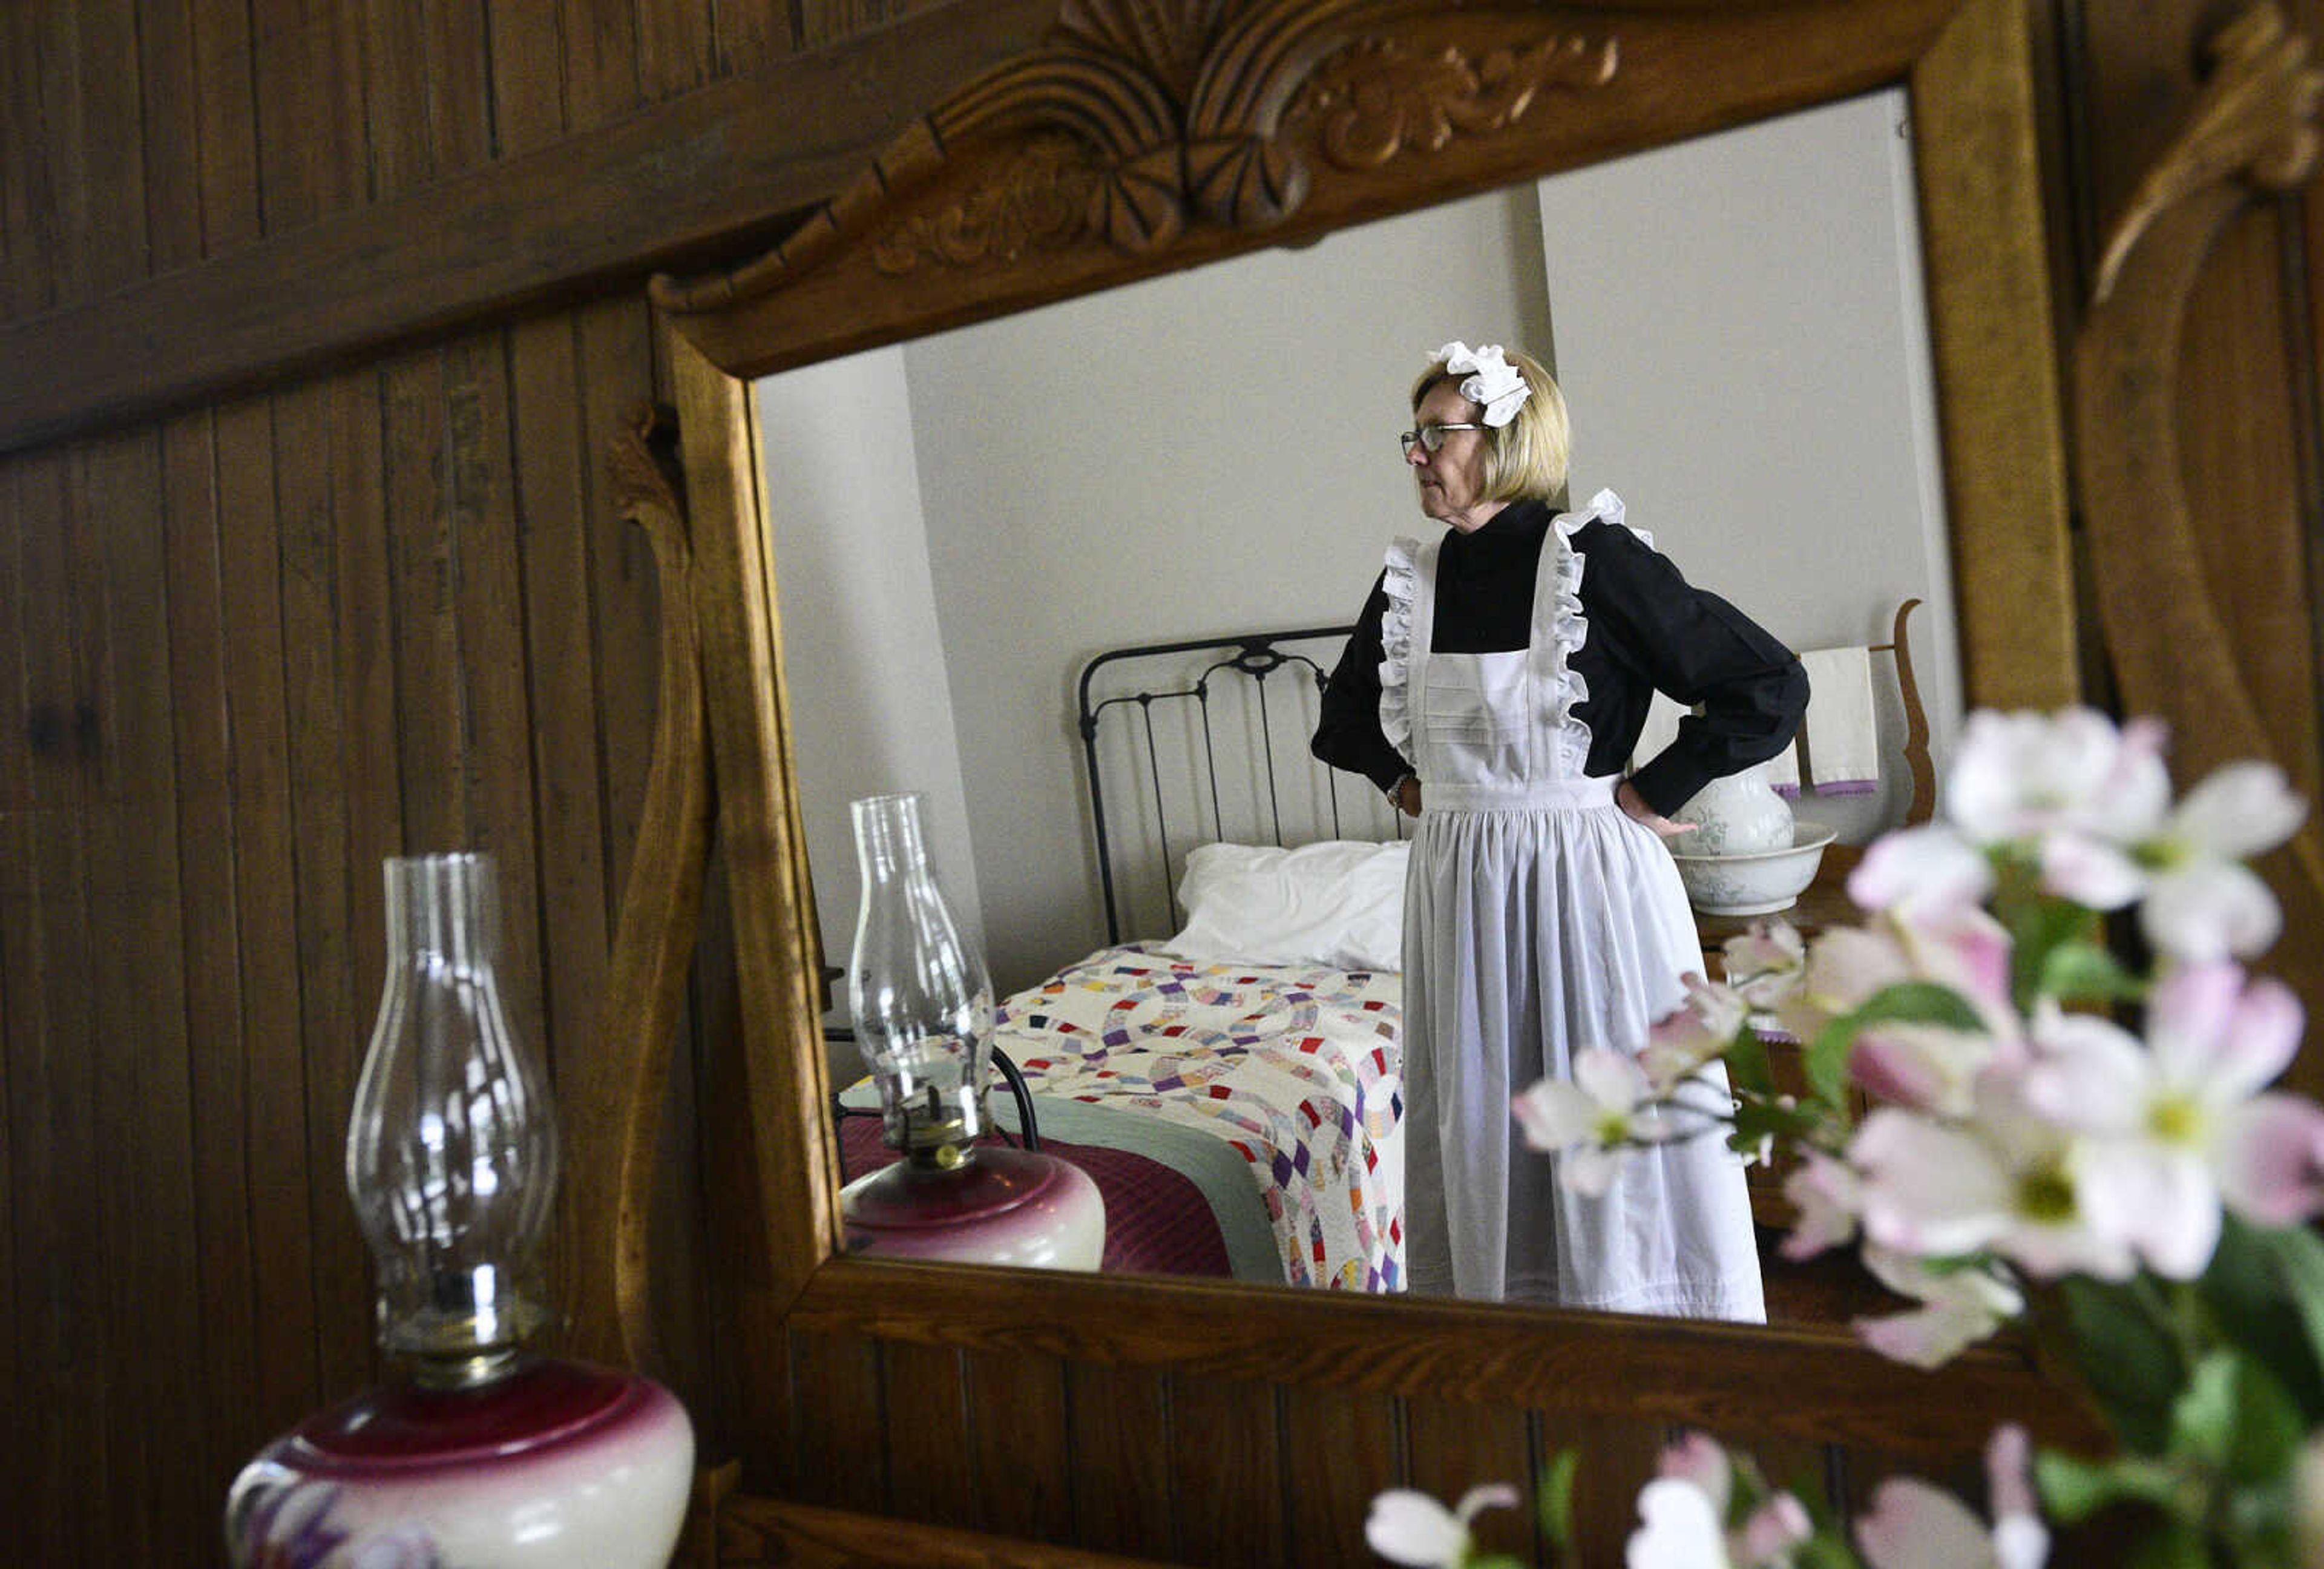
(646, 987)
(1138, 136)
(2252, 132)
(1142, 119)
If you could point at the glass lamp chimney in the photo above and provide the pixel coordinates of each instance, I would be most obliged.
(452, 1148)
(920, 997)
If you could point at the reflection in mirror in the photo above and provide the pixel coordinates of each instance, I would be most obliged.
(964, 521)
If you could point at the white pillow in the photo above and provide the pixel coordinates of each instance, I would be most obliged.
(1338, 903)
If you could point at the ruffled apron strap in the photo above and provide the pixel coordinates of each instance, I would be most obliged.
(1405, 629)
(1560, 628)
(1605, 505)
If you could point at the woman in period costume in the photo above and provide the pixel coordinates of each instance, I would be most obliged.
(1495, 686)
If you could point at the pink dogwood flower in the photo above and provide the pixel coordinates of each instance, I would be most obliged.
(1695, 1456)
(1590, 1121)
(2179, 1125)
(1766, 1538)
(1826, 1194)
(1925, 1068)
(1678, 1528)
(2009, 1182)
(1915, 1525)
(1683, 1516)
(1845, 966)
(2201, 902)
(1960, 947)
(2091, 804)
(1702, 1026)
(1765, 963)
(1928, 867)
(1407, 1527)
(1958, 1307)
(2075, 774)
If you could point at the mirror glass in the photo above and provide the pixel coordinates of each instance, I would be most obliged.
(962, 522)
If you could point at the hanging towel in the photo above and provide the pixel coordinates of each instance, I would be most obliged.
(1842, 731)
(1783, 769)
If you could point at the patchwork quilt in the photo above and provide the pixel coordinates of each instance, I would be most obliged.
(1296, 1069)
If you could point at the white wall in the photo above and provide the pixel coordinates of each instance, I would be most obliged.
(1214, 451)
(1741, 335)
(871, 710)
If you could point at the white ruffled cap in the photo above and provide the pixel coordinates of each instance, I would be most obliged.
(1489, 379)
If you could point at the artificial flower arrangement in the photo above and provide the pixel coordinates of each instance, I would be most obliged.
(2134, 1191)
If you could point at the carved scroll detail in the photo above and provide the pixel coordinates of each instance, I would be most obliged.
(647, 482)
(1376, 100)
(1140, 118)
(2252, 128)
(1044, 200)
(661, 903)
(1167, 41)
(2254, 121)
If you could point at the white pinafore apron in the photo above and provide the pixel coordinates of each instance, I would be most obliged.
(1539, 920)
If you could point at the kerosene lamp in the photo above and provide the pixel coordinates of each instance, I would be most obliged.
(923, 1018)
(473, 1451)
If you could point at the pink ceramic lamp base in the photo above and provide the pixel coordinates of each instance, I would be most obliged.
(557, 1463)
(1005, 1206)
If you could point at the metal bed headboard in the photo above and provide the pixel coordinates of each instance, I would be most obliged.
(1216, 689)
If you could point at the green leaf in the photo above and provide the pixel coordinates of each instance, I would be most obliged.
(1904, 1002)
(2128, 1358)
(1826, 1060)
(1747, 1066)
(2073, 1489)
(1919, 1002)
(2265, 1291)
(2179, 1544)
(2080, 971)
(1554, 1497)
(2258, 1521)
(1825, 1551)
(2236, 1418)
(1827, 1547)
(1807, 1485)
(2203, 1419)
(2299, 1255)
(2039, 926)
(1755, 1120)
(1747, 1487)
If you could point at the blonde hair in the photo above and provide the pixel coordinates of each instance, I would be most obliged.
(1525, 459)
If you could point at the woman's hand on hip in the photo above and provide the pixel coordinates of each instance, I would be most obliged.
(1406, 796)
(1633, 806)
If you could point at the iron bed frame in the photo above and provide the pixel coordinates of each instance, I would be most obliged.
(1252, 657)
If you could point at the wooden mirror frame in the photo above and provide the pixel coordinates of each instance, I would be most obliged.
(1134, 138)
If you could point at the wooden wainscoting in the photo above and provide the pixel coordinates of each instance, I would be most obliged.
(955, 1454)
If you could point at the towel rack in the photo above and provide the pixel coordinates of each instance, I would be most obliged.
(1917, 760)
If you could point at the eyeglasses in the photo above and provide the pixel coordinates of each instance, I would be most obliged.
(1430, 437)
